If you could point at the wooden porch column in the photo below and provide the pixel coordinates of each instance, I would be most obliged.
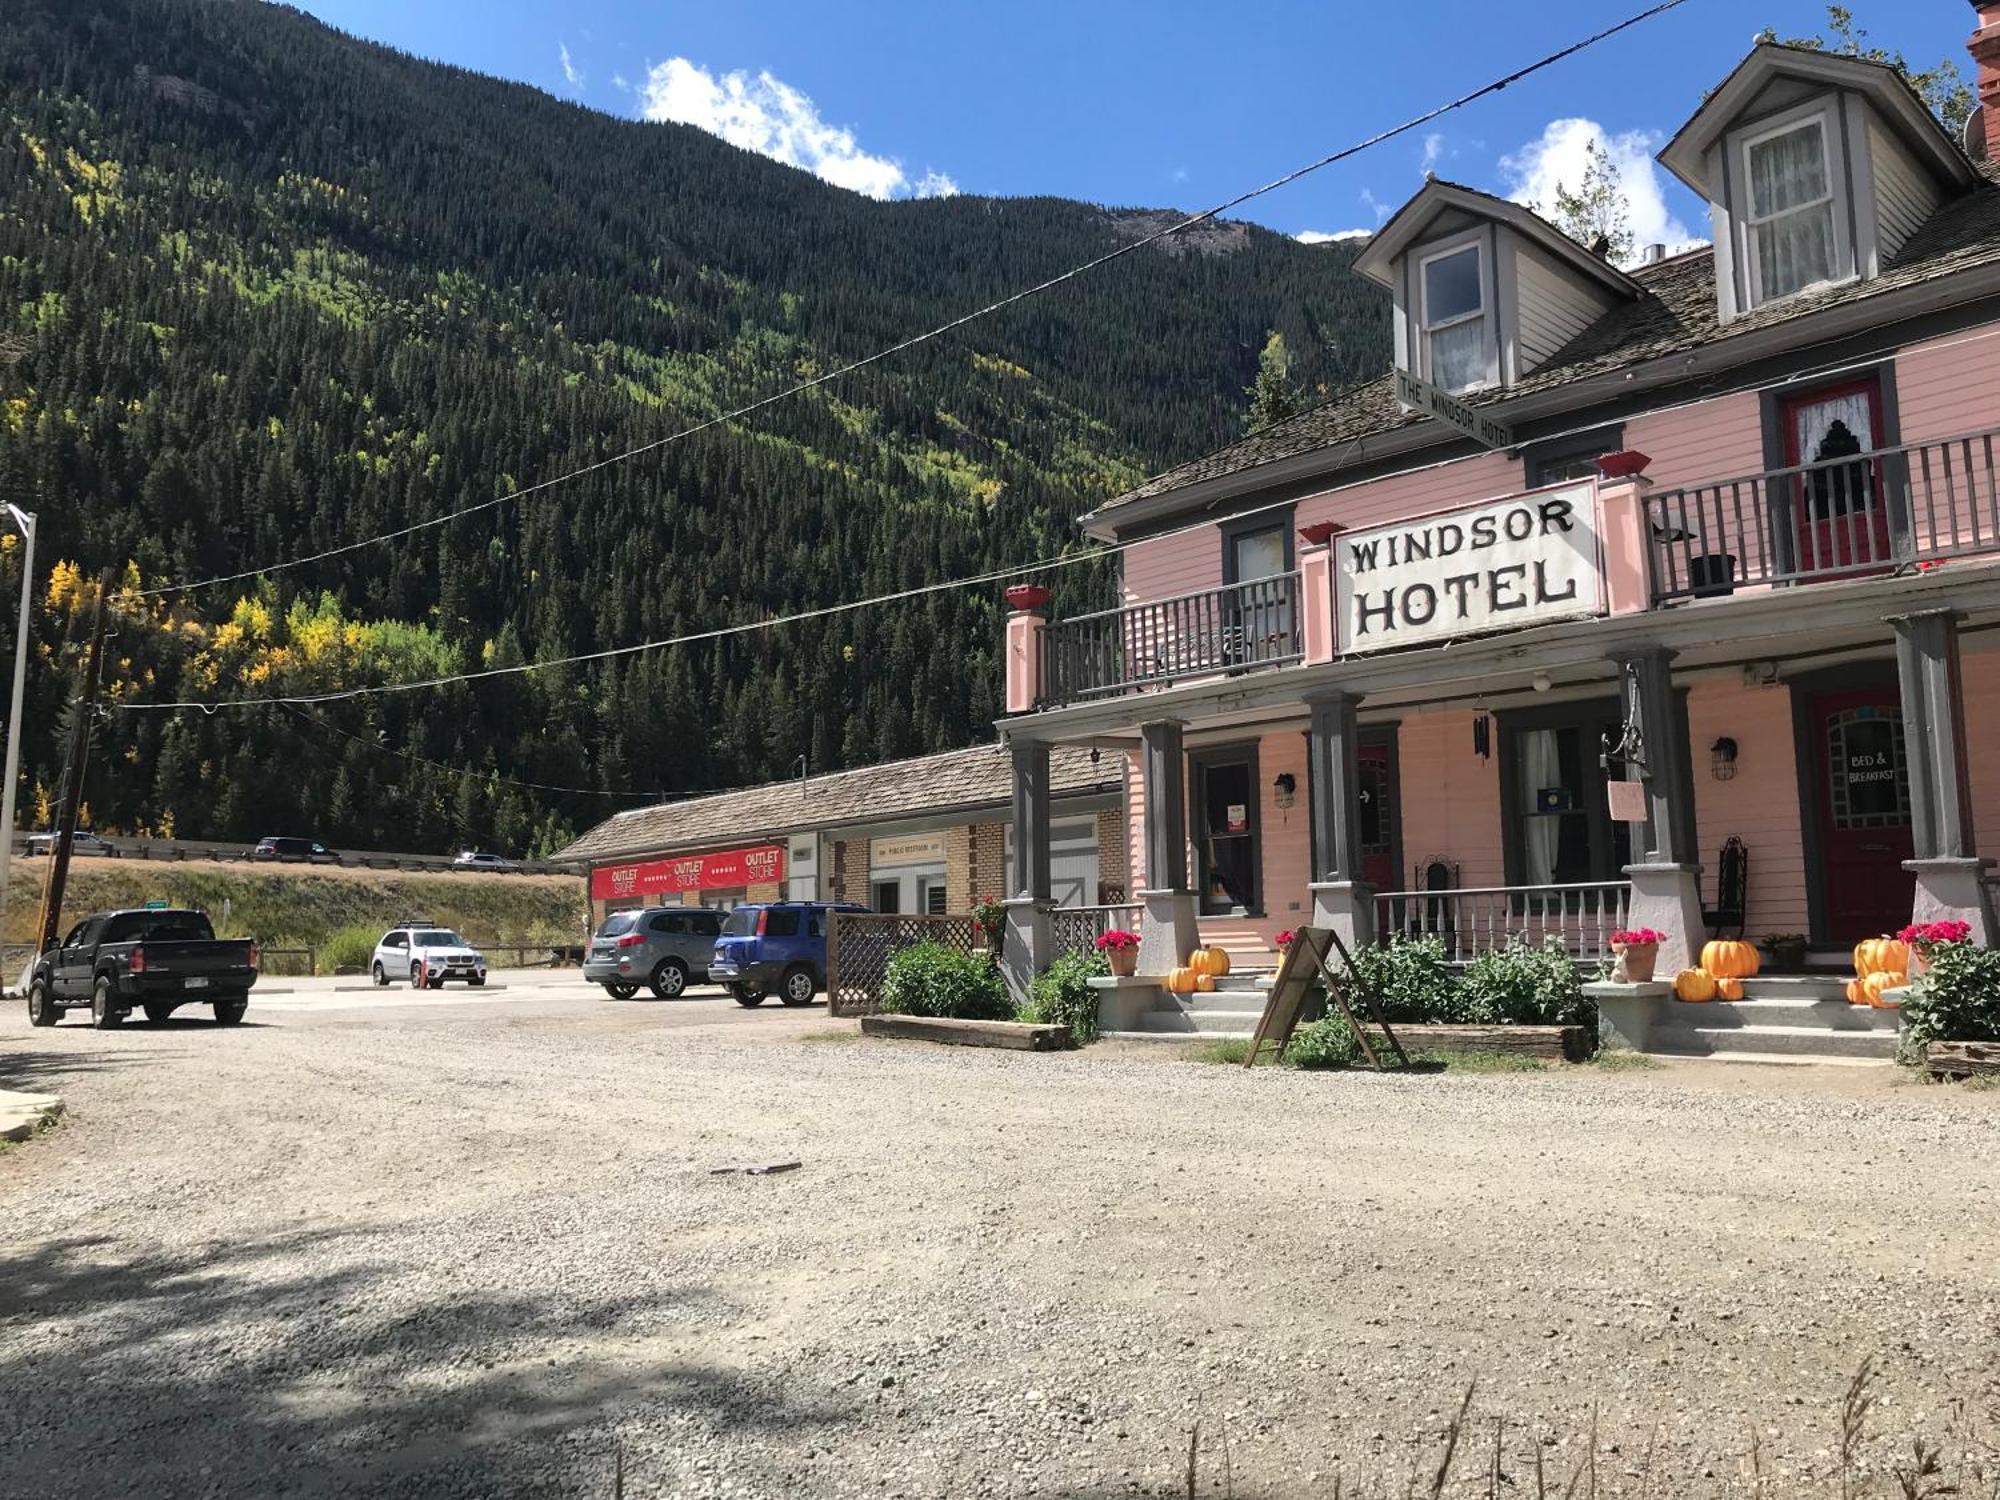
(1027, 946)
(1666, 878)
(1168, 933)
(1950, 874)
(1341, 899)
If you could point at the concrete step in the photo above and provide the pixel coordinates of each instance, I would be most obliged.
(1210, 1001)
(1785, 1010)
(1243, 981)
(1797, 986)
(1201, 1022)
(1770, 1040)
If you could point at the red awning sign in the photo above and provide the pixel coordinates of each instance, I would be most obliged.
(722, 870)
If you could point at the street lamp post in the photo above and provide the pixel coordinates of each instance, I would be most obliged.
(26, 522)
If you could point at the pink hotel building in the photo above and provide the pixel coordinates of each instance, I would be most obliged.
(1664, 596)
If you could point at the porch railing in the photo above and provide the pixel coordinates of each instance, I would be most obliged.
(1477, 920)
(1241, 628)
(1076, 929)
(1847, 517)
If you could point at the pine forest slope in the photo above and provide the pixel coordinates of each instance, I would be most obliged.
(265, 289)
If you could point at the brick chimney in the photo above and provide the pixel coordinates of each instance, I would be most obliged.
(1985, 45)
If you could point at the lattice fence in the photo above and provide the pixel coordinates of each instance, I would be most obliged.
(860, 945)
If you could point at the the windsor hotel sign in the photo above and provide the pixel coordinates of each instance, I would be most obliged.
(1493, 567)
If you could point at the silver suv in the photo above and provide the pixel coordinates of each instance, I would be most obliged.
(664, 947)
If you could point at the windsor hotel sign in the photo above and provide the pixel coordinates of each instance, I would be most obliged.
(1500, 566)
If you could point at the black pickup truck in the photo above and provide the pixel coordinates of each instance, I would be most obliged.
(158, 960)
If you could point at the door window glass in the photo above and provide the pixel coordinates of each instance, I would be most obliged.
(1257, 554)
(1867, 781)
(1566, 835)
(1375, 810)
(889, 896)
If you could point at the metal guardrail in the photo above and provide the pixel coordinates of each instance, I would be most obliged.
(175, 850)
(1477, 920)
(1240, 628)
(1850, 517)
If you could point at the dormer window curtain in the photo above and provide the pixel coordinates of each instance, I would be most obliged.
(1789, 210)
(1459, 353)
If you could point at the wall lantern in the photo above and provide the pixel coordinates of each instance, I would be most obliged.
(1286, 785)
(1722, 759)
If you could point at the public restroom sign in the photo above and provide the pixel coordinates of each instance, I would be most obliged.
(1500, 566)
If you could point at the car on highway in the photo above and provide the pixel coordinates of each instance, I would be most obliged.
(158, 959)
(666, 948)
(310, 851)
(84, 842)
(777, 946)
(473, 860)
(426, 955)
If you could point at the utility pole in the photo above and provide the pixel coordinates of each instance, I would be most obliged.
(79, 758)
(26, 521)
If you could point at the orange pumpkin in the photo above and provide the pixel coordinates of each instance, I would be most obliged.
(1855, 994)
(1729, 958)
(1694, 986)
(1204, 982)
(1214, 961)
(1729, 989)
(1182, 980)
(1879, 983)
(1882, 955)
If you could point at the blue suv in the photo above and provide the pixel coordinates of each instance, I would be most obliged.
(777, 946)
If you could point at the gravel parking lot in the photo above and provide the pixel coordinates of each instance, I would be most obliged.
(413, 1246)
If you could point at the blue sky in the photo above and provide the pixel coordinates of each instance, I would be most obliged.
(1166, 102)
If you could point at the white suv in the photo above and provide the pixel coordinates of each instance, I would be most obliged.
(428, 956)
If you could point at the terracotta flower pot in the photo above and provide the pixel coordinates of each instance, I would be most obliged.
(1124, 961)
(1633, 962)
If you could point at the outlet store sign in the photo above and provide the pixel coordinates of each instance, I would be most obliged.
(1499, 566)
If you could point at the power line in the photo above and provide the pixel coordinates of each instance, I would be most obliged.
(953, 325)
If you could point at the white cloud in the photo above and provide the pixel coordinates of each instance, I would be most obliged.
(1433, 149)
(768, 116)
(1380, 209)
(1321, 237)
(570, 69)
(1534, 171)
(621, 83)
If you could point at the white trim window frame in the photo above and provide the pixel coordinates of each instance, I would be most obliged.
(1828, 205)
(1481, 316)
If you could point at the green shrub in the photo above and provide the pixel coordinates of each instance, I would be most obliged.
(1525, 985)
(1330, 1042)
(1063, 997)
(1409, 977)
(933, 980)
(1956, 999)
(348, 950)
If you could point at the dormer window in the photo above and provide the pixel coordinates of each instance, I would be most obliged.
(1458, 351)
(1789, 215)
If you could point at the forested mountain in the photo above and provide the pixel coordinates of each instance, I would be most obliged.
(266, 289)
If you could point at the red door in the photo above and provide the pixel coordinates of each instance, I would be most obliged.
(1840, 520)
(1378, 819)
(1863, 794)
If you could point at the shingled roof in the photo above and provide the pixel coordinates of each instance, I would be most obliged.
(1677, 314)
(975, 780)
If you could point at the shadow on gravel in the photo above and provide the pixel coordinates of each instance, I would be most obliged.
(296, 1366)
(29, 1070)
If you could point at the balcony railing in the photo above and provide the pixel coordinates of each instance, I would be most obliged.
(1076, 929)
(1480, 920)
(1849, 517)
(1241, 628)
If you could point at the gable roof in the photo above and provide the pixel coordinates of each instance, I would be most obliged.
(1413, 220)
(1675, 313)
(978, 779)
(1686, 155)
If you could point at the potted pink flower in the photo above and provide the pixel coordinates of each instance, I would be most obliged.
(1925, 938)
(1283, 940)
(1635, 950)
(1120, 949)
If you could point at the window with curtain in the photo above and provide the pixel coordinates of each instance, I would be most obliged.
(1455, 319)
(1790, 219)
